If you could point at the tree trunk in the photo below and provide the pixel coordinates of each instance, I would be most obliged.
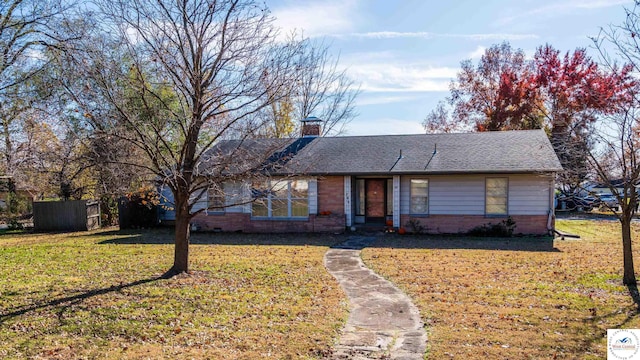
(629, 277)
(8, 147)
(181, 254)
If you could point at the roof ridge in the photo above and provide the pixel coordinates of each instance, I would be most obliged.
(438, 134)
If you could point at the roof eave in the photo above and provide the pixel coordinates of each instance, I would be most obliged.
(448, 172)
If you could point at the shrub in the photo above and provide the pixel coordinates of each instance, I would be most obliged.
(504, 228)
(16, 207)
(109, 210)
(415, 226)
(139, 208)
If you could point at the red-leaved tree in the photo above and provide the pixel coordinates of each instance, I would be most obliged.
(575, 91)
(497, 94)
(562, 94)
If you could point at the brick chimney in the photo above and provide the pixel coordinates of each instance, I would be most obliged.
(310, 127)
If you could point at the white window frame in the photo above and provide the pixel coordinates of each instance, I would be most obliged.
(411, 196)
(290, 199)
(216, 192)
(487, 196)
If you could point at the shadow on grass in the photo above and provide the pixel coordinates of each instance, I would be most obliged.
(635, 295)
(631, 311)
(454, 242)
(166, 236)
(67, 301)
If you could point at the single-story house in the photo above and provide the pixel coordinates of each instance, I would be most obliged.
(450, 183)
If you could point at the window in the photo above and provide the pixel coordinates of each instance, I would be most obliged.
(280, 199)
(215, 199)
(419, 196)
(496, 190)
(360, 205)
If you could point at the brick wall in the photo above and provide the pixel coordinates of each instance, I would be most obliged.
(451, 224)
(331, 194)
(230, 222)
(227, 222)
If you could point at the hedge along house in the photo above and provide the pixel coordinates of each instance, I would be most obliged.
(450, 183)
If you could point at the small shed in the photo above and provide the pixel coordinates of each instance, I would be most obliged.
(71, 215)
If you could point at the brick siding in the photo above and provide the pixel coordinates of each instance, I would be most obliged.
(230, 222)
(331, 194)
(453, 224)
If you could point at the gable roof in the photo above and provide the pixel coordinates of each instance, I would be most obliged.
(524, 151)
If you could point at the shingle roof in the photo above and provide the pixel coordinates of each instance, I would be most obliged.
(244, 156)
(486, 152)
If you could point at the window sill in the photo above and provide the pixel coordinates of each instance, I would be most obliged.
(419, 215)
(216, 213)
(496, 216)
(266, 218)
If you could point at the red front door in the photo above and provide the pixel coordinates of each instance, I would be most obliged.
(375, 200)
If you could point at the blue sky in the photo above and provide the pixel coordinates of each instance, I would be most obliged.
(405, 53)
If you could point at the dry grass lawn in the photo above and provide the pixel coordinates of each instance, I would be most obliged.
(514, 299)
(100, 295)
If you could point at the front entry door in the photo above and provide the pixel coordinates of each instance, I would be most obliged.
(375, 200)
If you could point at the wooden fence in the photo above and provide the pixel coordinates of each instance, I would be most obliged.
(72, 215)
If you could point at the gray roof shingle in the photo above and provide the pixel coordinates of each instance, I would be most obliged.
(486, 152)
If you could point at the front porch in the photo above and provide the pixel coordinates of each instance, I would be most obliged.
(375, 201)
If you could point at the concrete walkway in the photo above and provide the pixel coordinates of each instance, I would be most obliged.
(383, 322)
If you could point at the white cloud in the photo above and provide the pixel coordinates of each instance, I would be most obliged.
(368, 99)
(563, 7)
(493, 37)
(582, 4)
(429, 35)
(389, 76)
(390, 35)
(478, 52)
(384, 126)
(319, 18)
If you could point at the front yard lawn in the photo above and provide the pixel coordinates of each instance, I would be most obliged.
(100, 295)
(514, 299)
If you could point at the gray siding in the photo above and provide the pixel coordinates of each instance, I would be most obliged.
(529, 195)
(201, 202)
(347, 201)
(166, 211)
(396, 200)
(465, 194)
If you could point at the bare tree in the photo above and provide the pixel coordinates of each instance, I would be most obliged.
(616, 154)
(439, 121)
(322, 90)
(173, 79)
